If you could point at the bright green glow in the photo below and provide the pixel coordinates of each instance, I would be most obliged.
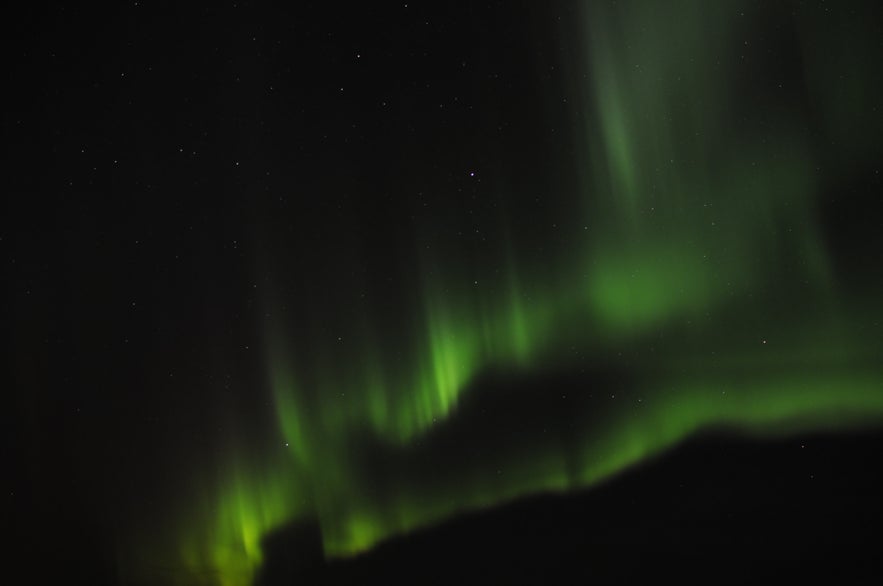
(699, 233)
(239, 521)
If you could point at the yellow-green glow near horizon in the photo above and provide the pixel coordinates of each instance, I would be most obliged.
(698, 268)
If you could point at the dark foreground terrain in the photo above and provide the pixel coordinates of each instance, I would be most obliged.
(718, 510)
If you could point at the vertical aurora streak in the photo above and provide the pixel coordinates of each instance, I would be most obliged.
(695, 270)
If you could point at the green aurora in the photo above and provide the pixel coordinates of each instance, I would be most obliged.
(693, 290)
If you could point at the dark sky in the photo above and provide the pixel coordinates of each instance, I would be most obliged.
(371, 268)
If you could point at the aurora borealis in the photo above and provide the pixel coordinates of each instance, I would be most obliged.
(378, 270)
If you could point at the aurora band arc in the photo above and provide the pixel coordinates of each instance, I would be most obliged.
(699, 227)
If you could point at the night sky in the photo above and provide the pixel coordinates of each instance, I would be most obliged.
(316, 293)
